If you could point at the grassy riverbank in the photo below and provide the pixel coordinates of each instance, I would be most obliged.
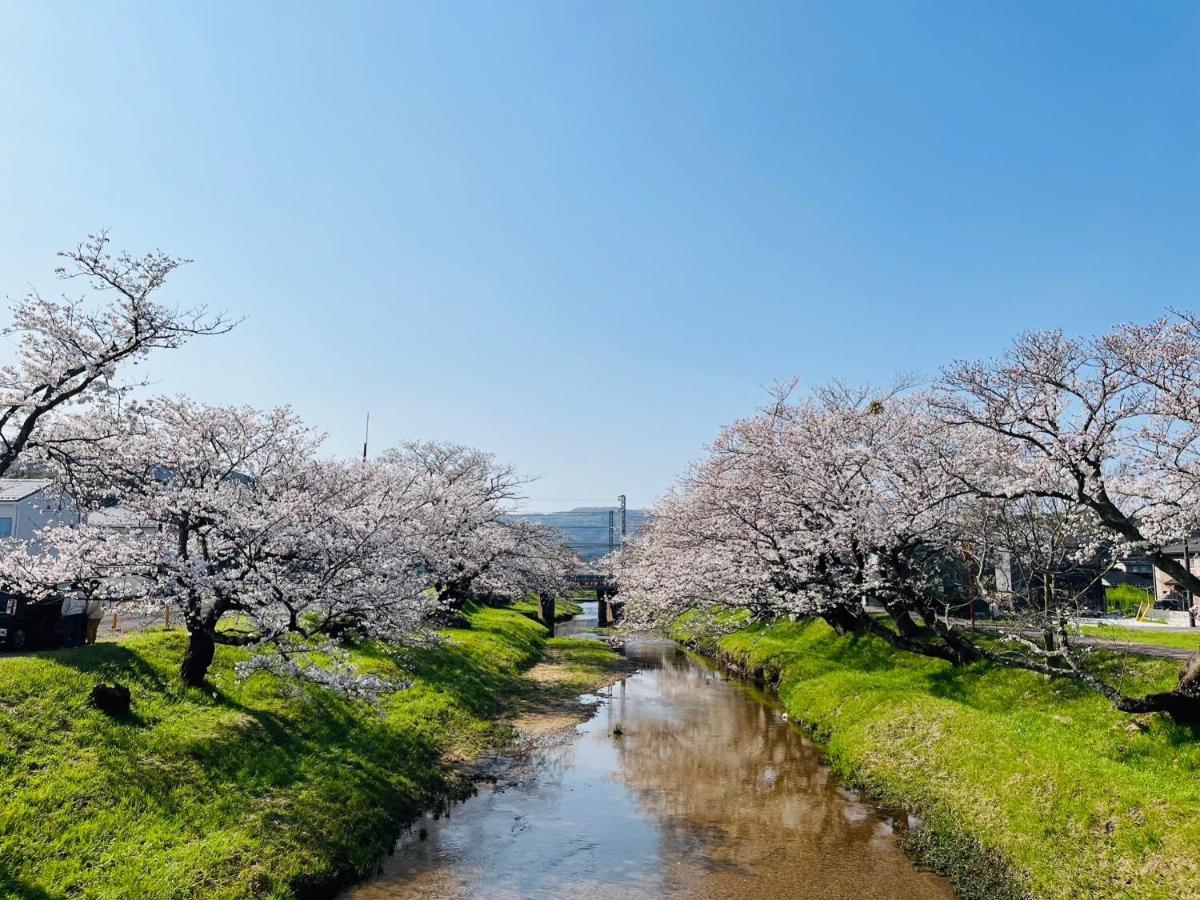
(1027, 786)
(256, 788)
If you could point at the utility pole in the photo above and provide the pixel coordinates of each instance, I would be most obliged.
(1187, 564)
(366, 437)
(621, 498)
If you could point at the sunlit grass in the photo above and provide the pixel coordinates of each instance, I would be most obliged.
(1184, 640)
(1126, 599)
(583, 663)
(254, 788)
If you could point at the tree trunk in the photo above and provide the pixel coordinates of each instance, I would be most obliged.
(1183, 708)
(842, 620)
(962, 650)
(198, 658)
(1049, 639)
(546, 611)
(903, 619)
(911, 645)
(1189, 678)
(453, 595)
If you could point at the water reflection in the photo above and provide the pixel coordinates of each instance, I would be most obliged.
(580, 624)
(706, 793)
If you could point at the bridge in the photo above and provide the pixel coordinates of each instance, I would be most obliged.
(589, 533)
(605, 588)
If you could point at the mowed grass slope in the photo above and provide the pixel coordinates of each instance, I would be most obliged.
(255, 788)
(1027, 786)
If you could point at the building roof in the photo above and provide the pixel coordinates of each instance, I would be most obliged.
(117, 517)
(14, 489)
(1193, 546)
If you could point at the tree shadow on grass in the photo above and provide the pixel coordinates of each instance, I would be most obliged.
(948, 684)
(469, 671)
(11, 886)
(260, 745)
(867, 652)
(862, 652)
(994, 688)
(109, 661)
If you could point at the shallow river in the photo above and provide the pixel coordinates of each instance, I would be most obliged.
(705, 792)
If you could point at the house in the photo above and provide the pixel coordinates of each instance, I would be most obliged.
(120, 520)
(1077, 584)
(27, 505)
(1135, 571)
(1166, 591)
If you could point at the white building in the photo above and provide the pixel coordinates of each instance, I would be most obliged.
(28, 505)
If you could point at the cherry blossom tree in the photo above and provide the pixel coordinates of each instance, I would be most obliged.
(228, 510)
(469, 546)
(233, 515)
(72, 349)
(1108, 426)
(818, 507)
(1048, 556)
(809, 508)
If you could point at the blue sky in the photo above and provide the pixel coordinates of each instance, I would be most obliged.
(585, 235)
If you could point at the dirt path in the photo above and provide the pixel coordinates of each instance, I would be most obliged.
(1141, 649)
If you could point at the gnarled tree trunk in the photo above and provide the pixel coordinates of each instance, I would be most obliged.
(198, 658)
(1189, 677)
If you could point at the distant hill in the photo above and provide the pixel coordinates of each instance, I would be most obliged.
(585, 528)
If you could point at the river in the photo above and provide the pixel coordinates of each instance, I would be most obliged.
(686, 783)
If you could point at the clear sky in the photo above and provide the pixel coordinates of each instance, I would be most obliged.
(585, 235)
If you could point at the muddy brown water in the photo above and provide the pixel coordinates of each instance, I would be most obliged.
(703, 791)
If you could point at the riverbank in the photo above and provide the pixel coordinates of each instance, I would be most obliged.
(682, 784)
(257, 787)
(1027, 787)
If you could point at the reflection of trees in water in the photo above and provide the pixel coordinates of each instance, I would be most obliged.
(741, 803)
(717, 770)
(542, 759)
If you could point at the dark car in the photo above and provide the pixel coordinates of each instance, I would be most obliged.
(25, 623)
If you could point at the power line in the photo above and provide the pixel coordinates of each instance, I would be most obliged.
(568, 499)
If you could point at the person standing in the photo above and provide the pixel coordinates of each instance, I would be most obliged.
(72, 622)
(95, 612)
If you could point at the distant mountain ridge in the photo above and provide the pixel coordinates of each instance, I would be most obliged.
(585, 528)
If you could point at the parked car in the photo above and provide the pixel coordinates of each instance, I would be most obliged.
(25, 623)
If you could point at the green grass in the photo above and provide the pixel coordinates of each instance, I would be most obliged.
(1185, 640)
(254, 788)
(583, 663)
(1125, 599)
(1027, 786)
